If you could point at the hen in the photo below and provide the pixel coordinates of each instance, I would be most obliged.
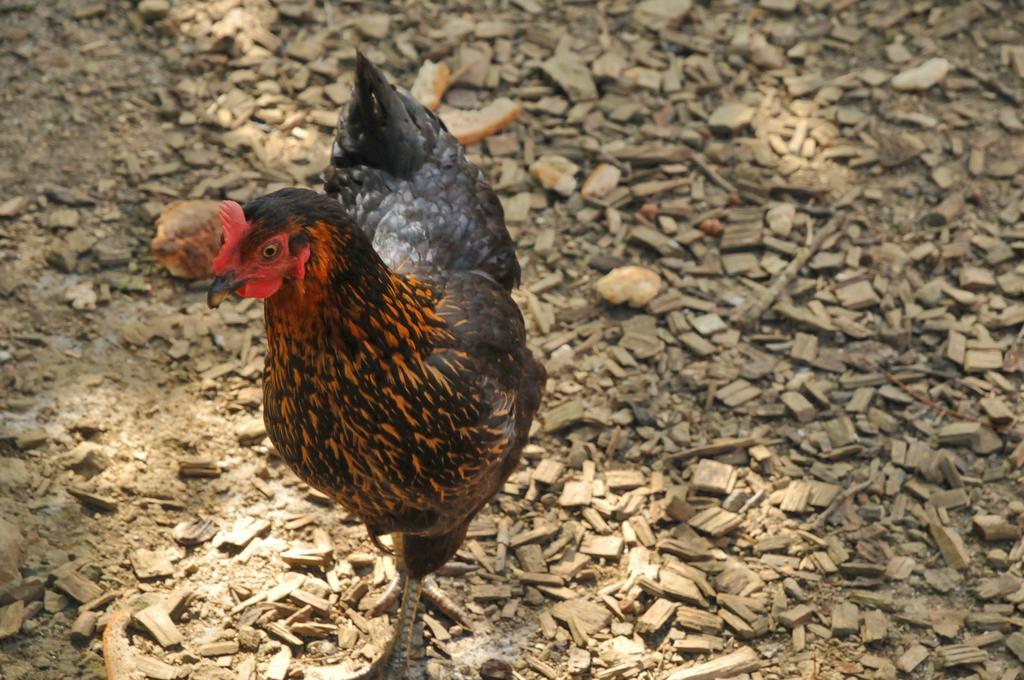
(397, 376)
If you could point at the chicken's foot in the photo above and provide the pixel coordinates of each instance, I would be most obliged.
(392, 663)
(389, 596)
(431, 592)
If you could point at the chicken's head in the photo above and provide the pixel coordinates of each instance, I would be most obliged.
(256, 255)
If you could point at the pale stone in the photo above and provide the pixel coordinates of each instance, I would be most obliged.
(602, 181)
(731, 117)
(922, 77)
(557, 173)
(659, 14)
(635, 286)
(12, 545)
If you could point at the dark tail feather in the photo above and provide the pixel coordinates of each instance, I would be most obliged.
(381, 127)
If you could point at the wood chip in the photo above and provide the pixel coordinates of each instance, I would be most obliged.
(93, 500)
(83, 627)
(875, 627)
(656, 616)
(677, 587)
(978, 360)
(150, 564)
(490, 593)
(799, 406)
(156, 620)
(698, 620)
(576, 493)
(11, 618)
(602, 546)
(199, 467)
(950, 544)
(572, 75)
(714, 477)
(591, 617)
(1015, 643)
(716, 521)
(548, 471)
(951, 656)
(995, 528)
(244, 530)
(912, 658)
(154, 668)
(308, 556)
(194, 532)
(796, 616)
(219, 648)
(845, 619)
(78, 587)
(716, 447)
(277, 669)
(742, 660)
(737, 393)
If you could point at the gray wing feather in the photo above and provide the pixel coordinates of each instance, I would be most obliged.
(408, 184)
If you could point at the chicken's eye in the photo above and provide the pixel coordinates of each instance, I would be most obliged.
(270, 251)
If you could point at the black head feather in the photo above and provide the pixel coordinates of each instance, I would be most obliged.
(276, 210)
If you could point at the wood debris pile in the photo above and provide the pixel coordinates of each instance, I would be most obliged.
(772, 262)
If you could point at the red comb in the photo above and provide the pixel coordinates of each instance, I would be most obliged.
(235, 226)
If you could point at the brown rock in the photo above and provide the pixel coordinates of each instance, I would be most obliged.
(188, 238)
(601, 181)
(469, 127)
(431, 83)
(556, 173)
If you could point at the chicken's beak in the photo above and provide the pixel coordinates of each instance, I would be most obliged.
(222, 288)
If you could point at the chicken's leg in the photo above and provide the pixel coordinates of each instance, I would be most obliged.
(396, 657)
(416, 557)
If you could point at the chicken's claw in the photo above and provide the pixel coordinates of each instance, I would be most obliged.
(432, 592)
(375, 539)
(446, 604)
(374, 671)
(388, 597)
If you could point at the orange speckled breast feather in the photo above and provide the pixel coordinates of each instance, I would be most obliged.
(406, 401)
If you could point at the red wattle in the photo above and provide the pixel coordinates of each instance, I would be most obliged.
(261, 288)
